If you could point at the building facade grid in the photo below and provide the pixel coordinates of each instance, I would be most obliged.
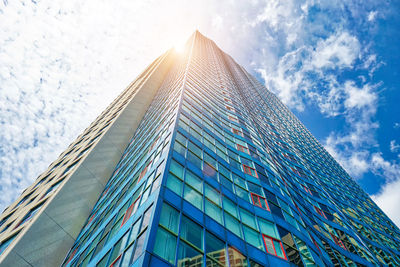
(220, 173)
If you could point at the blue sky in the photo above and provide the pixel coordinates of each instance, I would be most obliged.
(334, 63)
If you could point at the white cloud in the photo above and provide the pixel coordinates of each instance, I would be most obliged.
(390, 170)
(388, 200)
(394, 147)
(355, 163)
(359, 97)
(338, 51)
(285, 80)
(372, 15)
(396, 125)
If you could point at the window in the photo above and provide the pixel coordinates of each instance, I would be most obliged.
(194, 181)
(274, 246)
(248, 218)
(319, 211)
(144, 171)
(175, 184)
(252, 237)
(209, 167)
(29, 215)
(132, 208)
(249, 170)
(195, 159)
(242, 193)
(232, 224)
(233, 119)
(154, 143)
(139, 246)
(338, 241)
(191, 232)
(126, 257)
(146, 218)
(169, 218)
(236, 131)
(230, 206)
(268, 228)
(165, 245)
(215, 251)
(307, 189)
(176, 169)
(230, 108)
(236, 259)
(116, 252)
(193, 196)
(178, 147)
(51, 189)
(304, 252)
(213, 211)
(188, 256)
(259, 201)
(128, 213)
(212, 194)
(242, 149)
(289, 246)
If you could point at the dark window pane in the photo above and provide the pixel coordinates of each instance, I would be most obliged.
(192, 232)
(276, 210)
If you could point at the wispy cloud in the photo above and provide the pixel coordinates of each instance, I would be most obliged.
(394, 147)
(372, 15)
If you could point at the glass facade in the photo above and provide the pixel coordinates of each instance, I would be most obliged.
(221, 173)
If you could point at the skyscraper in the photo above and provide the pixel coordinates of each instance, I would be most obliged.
(196, 163)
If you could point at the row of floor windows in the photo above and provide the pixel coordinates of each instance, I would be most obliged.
(183, 242)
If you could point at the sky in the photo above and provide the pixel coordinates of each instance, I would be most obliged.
(335, 64)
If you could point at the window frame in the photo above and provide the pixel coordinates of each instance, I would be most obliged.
(130, 210)
(259, 199)
(231, 118)
(320, 212)
(237, 131)
(245, 167)
(338, 241)
(242, 149)
(280, 242)
(229, 108)
(143, 172)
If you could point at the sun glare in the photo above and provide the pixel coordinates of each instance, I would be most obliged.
(179, 46)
